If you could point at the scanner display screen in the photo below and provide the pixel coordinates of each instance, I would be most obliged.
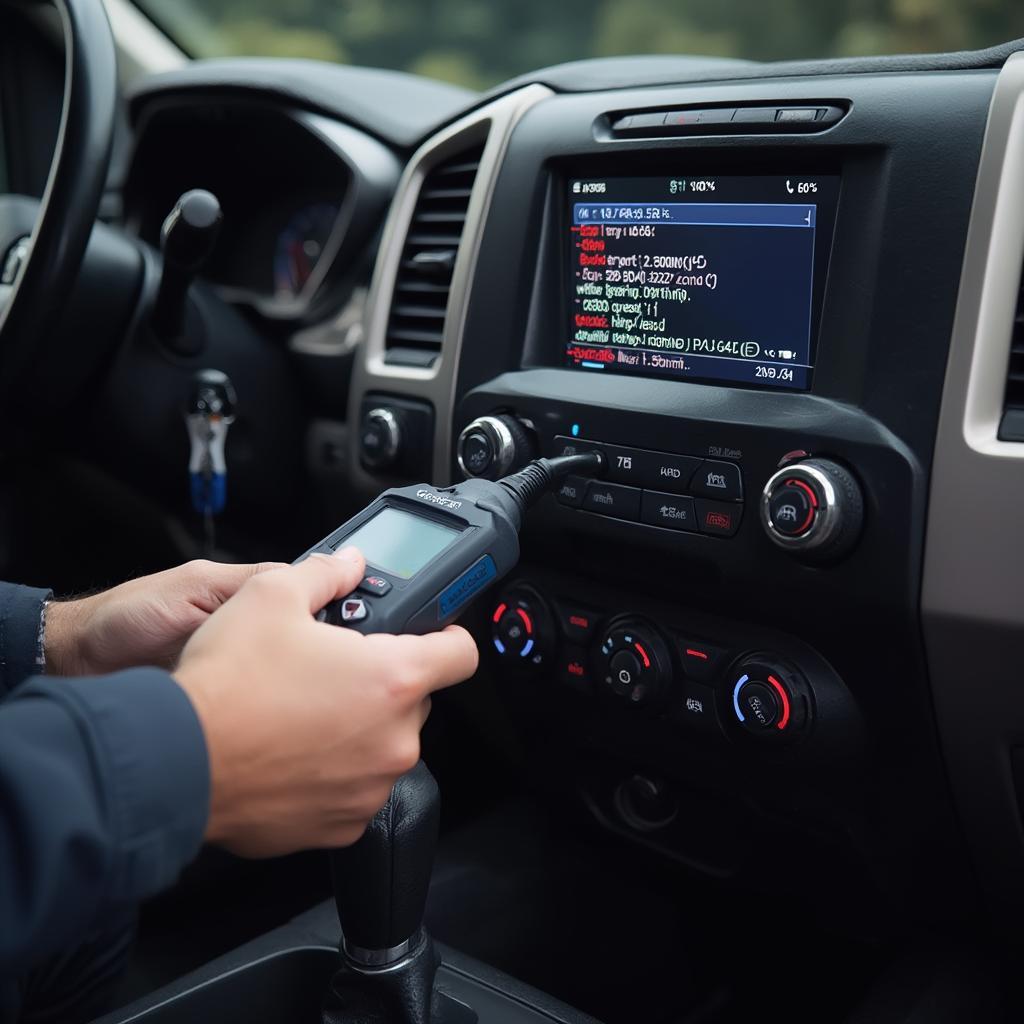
(399, 542)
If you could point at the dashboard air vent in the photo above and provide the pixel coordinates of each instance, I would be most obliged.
(420, 301)
(1012, 426)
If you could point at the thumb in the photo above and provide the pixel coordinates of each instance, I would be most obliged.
(324, 578)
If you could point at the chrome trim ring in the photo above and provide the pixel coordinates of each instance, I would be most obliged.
(828, 520)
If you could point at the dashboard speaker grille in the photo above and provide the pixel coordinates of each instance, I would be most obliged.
(420, 301)
(1011, 428)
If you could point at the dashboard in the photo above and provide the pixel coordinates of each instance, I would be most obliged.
(743, 293)
(778, 642)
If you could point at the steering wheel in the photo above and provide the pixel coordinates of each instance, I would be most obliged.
(63, 221)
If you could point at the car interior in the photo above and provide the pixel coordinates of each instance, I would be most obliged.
(745, 742)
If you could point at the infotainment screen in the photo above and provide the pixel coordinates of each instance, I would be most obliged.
(716, 279)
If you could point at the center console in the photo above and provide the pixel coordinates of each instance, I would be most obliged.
(715, 650)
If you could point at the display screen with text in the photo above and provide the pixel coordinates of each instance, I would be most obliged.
(717, 279)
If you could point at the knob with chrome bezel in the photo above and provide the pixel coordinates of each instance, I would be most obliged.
(813, 509)
(494, 446)
(380, 441)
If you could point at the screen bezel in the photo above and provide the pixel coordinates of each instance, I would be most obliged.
(828, 214)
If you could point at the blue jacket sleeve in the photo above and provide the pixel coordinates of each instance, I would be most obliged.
(21, 615)
(104, 797)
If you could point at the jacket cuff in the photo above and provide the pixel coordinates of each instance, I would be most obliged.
(151, 756)
(21, 634)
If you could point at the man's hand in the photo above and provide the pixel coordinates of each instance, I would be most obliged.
(144, 622)
(308, 725)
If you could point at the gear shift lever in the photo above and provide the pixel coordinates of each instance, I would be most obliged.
(381, 882)
(380, 888)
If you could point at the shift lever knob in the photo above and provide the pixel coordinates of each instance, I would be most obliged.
(381, 882)
(187, 240)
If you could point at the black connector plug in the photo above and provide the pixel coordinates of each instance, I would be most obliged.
(531, 482)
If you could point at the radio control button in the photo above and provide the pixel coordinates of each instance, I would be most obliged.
(813, 509)
(719, 480)
(668, 510)
(625, 465)
(477, 452)
(613, 500)
(572, 491)
(663, 472)
(493, 446)
(718, 519)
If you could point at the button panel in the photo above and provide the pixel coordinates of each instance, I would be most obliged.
(718, 480)
(716, 120)
(657, 488)
(572, 491)
(668, 510)
(613, 500)
(717, 519)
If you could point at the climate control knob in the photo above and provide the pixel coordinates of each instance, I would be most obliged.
(767, 699)
(814, 509)
(380, 442)
(494, 446)
(635, 665)
(522, 628)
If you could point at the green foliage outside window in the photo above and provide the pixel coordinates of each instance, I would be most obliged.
(478, 43)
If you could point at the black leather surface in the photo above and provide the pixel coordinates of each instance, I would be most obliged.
(381, 882)
(73, 196)
(399, 108)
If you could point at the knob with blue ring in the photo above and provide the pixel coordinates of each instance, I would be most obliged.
(634, 663)
(768, 700)
(521, 628)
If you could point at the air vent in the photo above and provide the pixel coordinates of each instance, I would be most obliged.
(1012, 426)
(420, 301)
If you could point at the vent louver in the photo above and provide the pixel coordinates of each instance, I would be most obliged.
(1012, 426)
(420, 301)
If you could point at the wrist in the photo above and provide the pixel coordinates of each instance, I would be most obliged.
(204, 707)
(64, 626)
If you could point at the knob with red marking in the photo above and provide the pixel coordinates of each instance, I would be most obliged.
(521, 627)
(634, 662)
(813, 508)
(767, 699)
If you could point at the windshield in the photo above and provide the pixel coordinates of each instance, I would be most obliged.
(477, 43)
